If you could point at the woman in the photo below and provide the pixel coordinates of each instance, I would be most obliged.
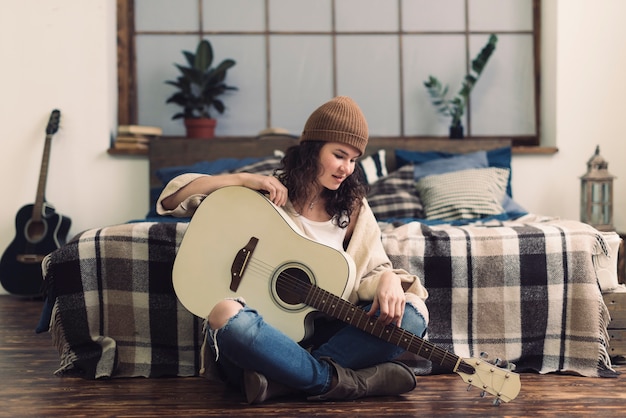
(321, 189)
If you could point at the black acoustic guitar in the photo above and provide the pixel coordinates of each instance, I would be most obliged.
(39, 231)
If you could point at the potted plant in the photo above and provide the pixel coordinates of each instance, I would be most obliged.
(199, 88)
(455, 107)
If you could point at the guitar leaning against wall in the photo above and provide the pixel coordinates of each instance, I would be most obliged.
(39, 231)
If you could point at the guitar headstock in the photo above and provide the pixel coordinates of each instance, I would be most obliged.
(53, 122)
(502, 383)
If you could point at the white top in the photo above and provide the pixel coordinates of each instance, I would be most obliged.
(326, 232)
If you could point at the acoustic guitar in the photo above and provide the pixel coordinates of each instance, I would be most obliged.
(39, 231)
(239, 243)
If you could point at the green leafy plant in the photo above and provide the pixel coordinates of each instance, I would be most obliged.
(200, 85)
(455, 107)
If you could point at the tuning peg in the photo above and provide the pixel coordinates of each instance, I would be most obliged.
(504, 364)
(469, 387)
(483, 394)
(511, 367)
(484, 355)
(496, 402)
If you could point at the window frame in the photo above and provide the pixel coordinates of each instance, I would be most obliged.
(127, 71)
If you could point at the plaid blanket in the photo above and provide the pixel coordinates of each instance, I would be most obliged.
(524, 292)
(115, 312)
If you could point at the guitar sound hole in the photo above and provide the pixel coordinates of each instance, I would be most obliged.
(292, 286)
(35, 230)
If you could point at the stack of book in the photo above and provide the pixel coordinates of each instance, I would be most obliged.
(135, 137)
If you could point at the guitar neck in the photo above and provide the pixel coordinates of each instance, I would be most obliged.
(43, 176)
(349, 313)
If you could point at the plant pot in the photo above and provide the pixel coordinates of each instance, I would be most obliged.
(456, 132)
(200, 128)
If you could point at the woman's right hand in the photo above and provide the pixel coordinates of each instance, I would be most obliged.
(277, 192)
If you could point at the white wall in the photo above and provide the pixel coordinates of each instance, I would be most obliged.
(584, 91)
(61, 54)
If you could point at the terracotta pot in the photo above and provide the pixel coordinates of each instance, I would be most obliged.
(200, 128)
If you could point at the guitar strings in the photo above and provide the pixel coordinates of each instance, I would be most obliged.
(265, 271)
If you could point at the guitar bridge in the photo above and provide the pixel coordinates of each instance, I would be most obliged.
(29, 258)
(240, 263)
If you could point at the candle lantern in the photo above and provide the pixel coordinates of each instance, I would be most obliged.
(596, 194)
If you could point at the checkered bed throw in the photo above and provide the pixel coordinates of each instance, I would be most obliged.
(526, 293)
(523, 292)
(116, 313)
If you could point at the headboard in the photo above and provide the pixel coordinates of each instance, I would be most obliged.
(170, 152)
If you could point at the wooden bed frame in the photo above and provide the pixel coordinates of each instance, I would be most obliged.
(171, 152)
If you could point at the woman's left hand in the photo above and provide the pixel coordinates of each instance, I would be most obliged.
(390, 299)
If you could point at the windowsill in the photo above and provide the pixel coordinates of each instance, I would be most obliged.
(133, 152)
(516, 150)
(534, 150)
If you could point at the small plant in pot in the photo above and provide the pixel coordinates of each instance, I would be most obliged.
(455, 107)
(199, 88)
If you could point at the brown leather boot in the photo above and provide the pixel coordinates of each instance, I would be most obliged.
(258, 388)
(385, 379)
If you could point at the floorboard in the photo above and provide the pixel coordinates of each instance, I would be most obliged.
(29, 388)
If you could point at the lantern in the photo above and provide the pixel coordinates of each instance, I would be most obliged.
(596, 194)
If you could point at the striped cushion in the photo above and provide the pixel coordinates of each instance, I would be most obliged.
(265, 167)
(374, 166)
(465, 194)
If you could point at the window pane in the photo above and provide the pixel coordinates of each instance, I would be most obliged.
(428, 15)
(156, 55)
(300, 15)
(182, 15)
(442, 57)
(302, 82)
(233, 15)
(366, 15)
(503, 100)
(366, 73)
(246, 107)
(495, 15)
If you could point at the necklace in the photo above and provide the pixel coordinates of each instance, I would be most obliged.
(313, 202)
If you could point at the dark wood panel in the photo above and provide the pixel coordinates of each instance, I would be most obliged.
(171, 152)
(29, 388)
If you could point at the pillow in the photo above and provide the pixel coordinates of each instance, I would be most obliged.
(500, 157)
(395, 196)
(447, 165)
(266, 166)
(374, 166)
(205, 167)
(465, 194)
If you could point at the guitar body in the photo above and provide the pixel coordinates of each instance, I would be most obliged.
(239, 244)
(224, 224)
(20, 266)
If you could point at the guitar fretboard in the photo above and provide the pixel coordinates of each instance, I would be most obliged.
(349, 313)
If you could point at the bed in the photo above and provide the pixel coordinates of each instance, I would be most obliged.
(518, 286)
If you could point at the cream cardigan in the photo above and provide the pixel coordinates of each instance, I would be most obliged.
(365, 247)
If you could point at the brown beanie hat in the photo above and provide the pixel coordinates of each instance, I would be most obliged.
(338, 120)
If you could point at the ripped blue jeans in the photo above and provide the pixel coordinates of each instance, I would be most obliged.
(247, 342)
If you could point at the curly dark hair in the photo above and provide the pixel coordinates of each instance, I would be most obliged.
(299, 170)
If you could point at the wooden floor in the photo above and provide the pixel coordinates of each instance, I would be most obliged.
(29, 388)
